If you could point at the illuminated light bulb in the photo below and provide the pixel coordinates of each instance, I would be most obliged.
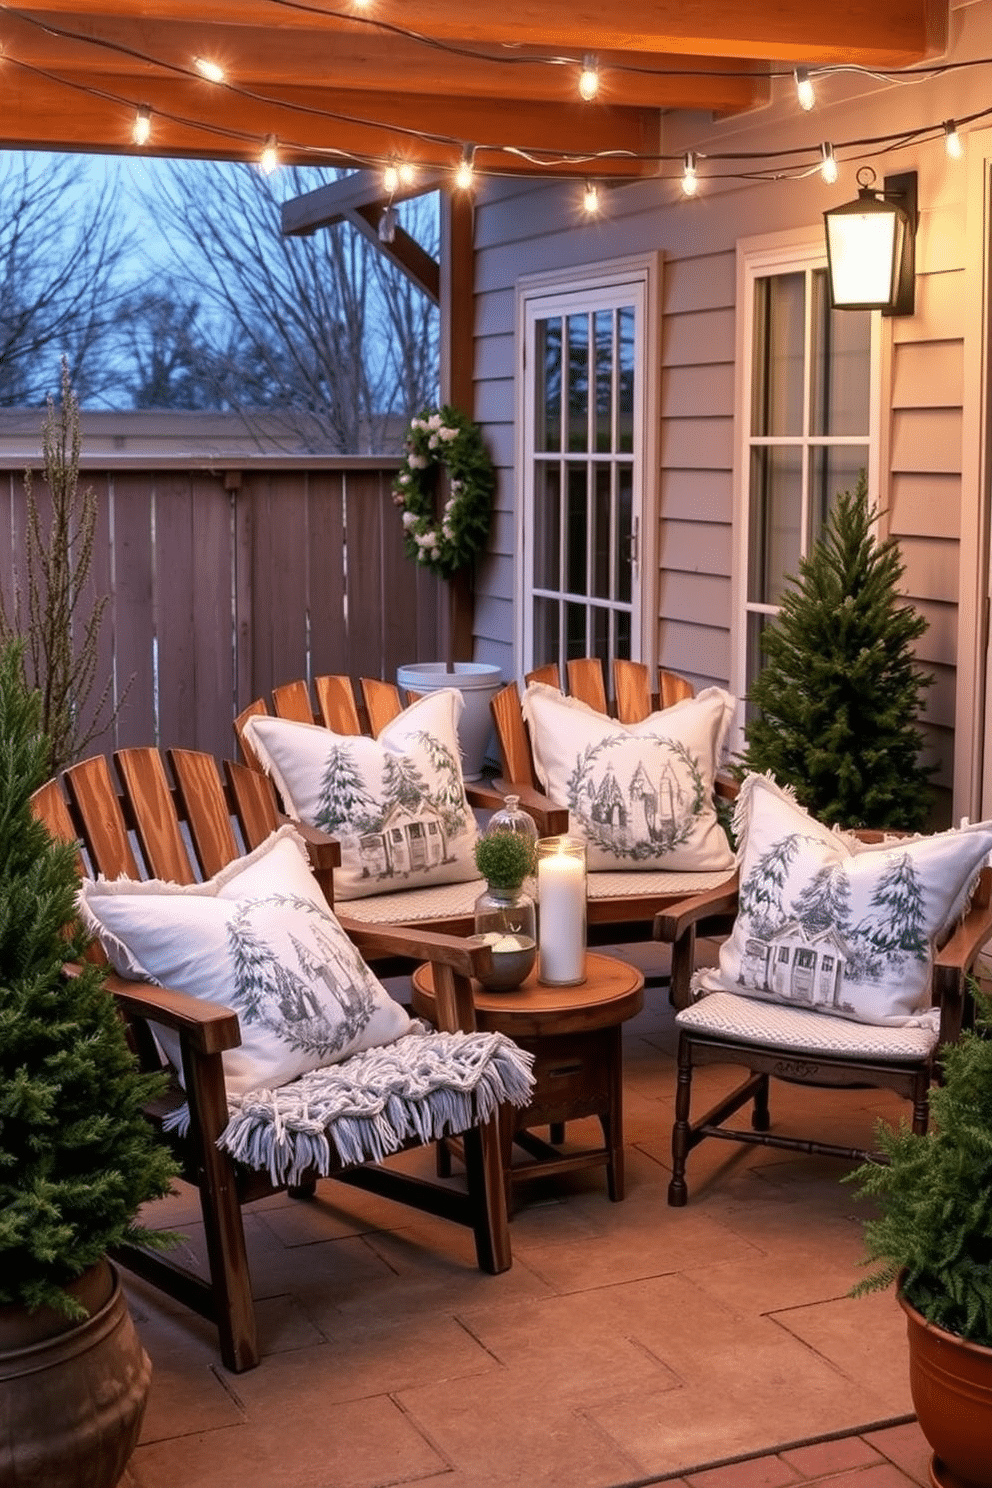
(268, 161)
(589, 78)
(408, 173)
(142, 126)
(690, 181)
(952, 140)
(804, 89)
(590, 198)
(210, 70)
(828, 164)
(387, 225)
(465, 174)
(390, 179)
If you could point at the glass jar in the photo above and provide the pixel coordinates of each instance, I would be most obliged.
(512, 818)
(561, 892)
(505, 920)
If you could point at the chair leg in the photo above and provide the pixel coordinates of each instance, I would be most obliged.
(487, 1182)
(683, 965)
(760, 1117)
(678, 1193)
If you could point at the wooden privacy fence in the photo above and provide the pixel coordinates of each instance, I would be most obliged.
(225, 582)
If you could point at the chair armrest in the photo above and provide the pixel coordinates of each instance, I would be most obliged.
(671, 923)
(727, 787)
(956, 957)
(550, 819)
(208, 1026)
(462, 955)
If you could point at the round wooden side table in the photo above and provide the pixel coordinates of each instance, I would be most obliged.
(574, 1034)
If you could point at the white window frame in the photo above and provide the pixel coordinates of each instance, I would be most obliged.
(642, 275)
(795, 251)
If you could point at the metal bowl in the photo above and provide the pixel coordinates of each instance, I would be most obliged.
(512, 963)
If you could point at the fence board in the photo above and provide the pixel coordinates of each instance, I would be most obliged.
(325, 518)
(130, 618)
(177, 571)
(213, 617)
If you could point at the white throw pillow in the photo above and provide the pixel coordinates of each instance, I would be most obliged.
(259, 938)
(829, 923)
(396, 803)
(640, 794)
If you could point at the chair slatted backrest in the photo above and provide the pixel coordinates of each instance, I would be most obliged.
(511, 734)
(585, 682)
(49, 805)
(673, 688)
(97, 808)
(253, 710)
(632, 686)
(200, 792)
(254, 801)
(153, 810)
(382, 703)
(548, 674)
(336, 701)
(292, 700)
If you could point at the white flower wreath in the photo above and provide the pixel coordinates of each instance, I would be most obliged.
(444, 439)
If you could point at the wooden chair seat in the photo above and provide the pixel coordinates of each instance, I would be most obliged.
(183, 822)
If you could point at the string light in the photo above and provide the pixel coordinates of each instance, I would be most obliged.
(804, 89)
(589, 78)
(390, 179)
(690, 181)
(210, 70)
(268, 161)
(952, 140)
(408, 173)
(465, 174)
(590, 198)
(828, 164)
(142, 127)
(387, 224)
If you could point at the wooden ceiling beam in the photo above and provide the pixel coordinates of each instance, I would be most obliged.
(880, 33)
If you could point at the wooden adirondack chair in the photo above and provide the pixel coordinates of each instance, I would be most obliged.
(144, 824)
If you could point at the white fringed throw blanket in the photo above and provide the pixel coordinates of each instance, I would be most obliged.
(423, 1085)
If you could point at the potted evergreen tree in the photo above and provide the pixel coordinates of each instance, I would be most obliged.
(836, 707)
(77, 1156)
(933, 1235)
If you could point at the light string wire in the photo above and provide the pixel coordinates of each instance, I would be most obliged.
(807, 165)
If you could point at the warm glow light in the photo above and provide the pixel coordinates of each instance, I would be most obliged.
(465, 174)
(952, 140)
(390, 179)
(690, 181)
(408, 173)
(828, 164)
(589, 78)
(804, 89)
(142, 126)
(590, 198)
(210, 70)
(268, 161)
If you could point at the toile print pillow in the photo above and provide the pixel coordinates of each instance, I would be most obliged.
(259, 938)
(641, 795)
(831, 924)
(396, 803)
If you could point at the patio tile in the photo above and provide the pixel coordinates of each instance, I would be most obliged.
(763, 1472)
(905, 1446)
(820, 1458)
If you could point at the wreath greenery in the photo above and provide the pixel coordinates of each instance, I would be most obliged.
(444, 439)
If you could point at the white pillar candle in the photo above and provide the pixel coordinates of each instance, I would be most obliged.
(561, 887)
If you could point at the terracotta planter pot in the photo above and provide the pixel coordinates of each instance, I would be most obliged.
(951, 1384)
(72, 1395)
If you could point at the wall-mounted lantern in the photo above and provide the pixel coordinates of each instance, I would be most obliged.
(871, 246)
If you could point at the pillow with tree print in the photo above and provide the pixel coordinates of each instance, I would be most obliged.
(831, 924)
(396, 804)
(258, 938)
(640, 794)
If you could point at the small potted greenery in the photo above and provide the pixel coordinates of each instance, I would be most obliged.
(504, 914)
(77, 1156)
(933, 1236)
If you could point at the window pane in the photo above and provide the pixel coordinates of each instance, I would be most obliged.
(603, 331)
(547, 526)
(774, 527)
(777, 369)
(547, 635)
(547, 393)
(601, 639)
(625, 364)
(575, 538)
(578, 382)
(575, 632)
(601, 534)
(755, 656)
(831, 470)
(625, 511)
(622, 629)
(840, 365)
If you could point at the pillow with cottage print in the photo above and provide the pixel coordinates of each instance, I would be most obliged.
(396, 804)
(640, 794)
(259, 938)
(829, 923)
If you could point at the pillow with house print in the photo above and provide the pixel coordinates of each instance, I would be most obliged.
(831, 924)
(260, 938)
(641, 794)
(396, 804)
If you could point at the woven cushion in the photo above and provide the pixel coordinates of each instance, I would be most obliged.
(641, 795)
(396, 804)
(260, 939)
(828, 923)
(771, 1026)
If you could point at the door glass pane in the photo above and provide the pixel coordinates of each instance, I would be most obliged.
(601, 639)
(601, 534)
(575, 536)
(756, 624)
(547, 636)
(625, 516)
(774, 528)
(547, 525)
(547, 393)
(777, 368)
(578, 382)
(832, 469)
(575, 631)
(840, 365)
(603, 331)
(625, 365)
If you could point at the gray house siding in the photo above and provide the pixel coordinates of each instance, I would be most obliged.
(524, 228)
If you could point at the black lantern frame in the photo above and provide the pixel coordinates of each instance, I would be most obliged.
(897, 200)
